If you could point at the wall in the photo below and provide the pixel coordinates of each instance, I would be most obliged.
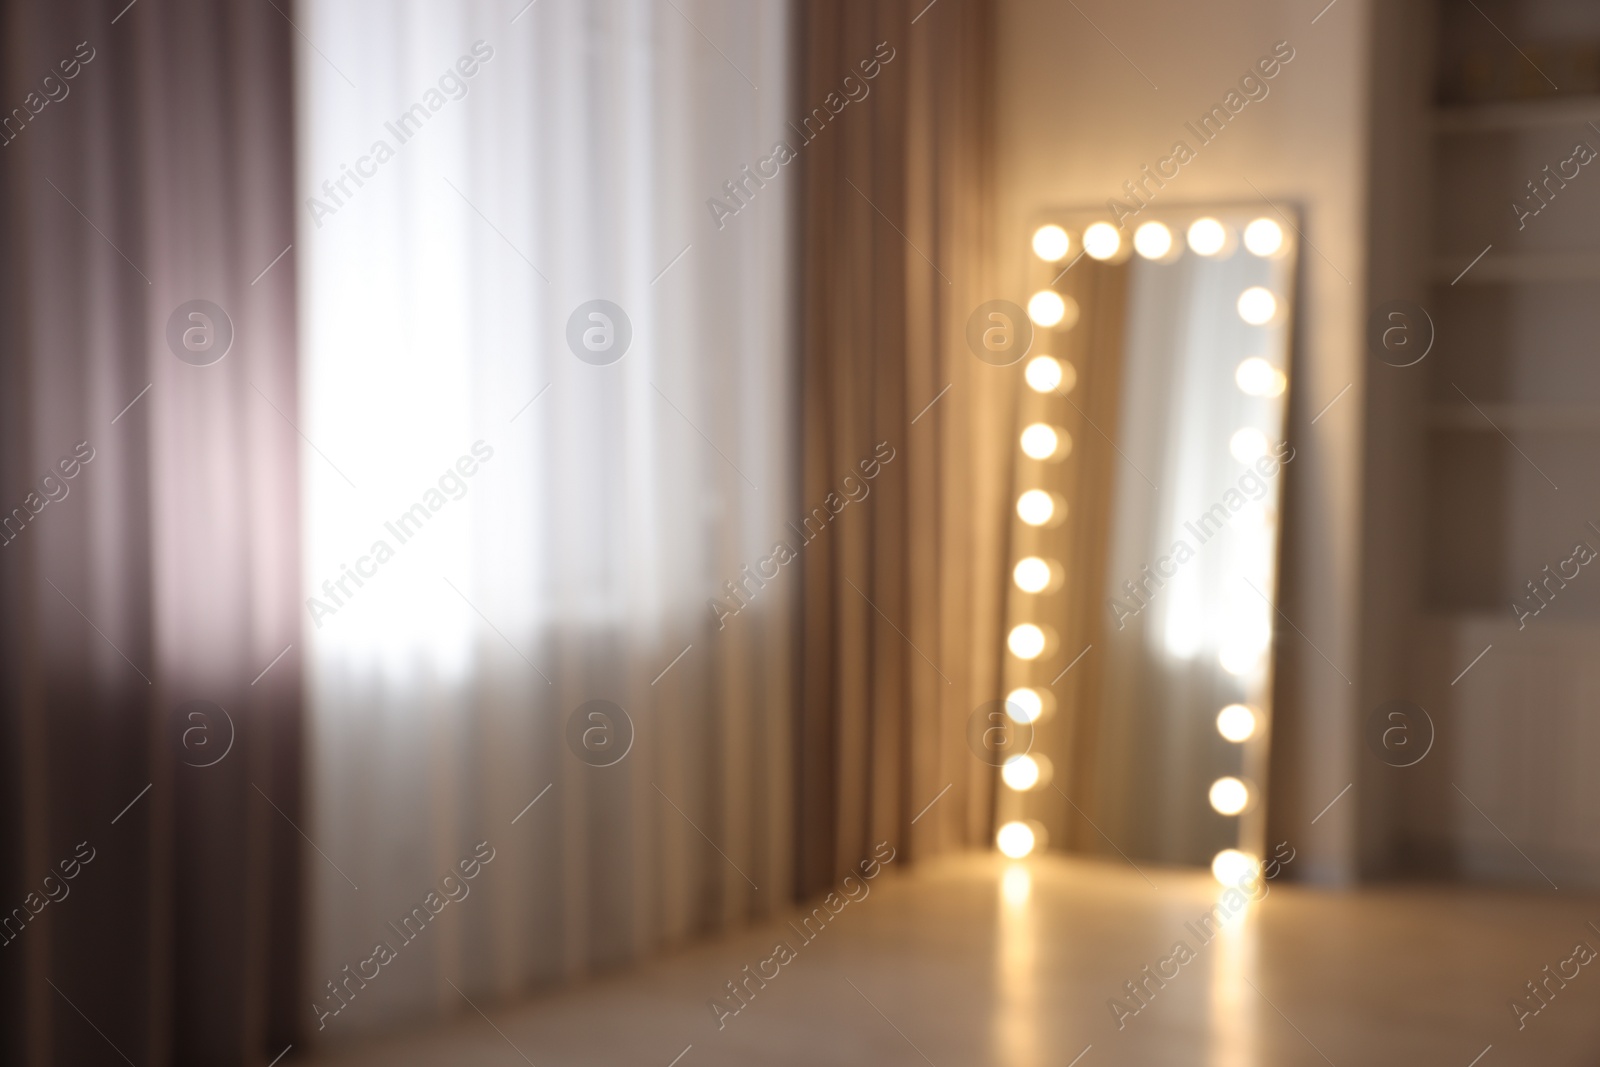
(1077, 119)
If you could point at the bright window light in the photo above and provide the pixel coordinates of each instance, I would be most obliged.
(1248, 444)
(1101, 240)
(1039, 441)
(1152, 240)
(1257, 306)
(1026, 641)
(1229, 796)
(1236, 723)
(1024, 705)
(1036, 507)
(1031, 574)
(1051, 243)
(1207, 236)
(1020, 773)
(1263, 237)
(1232, 867)
(1015, 840)
(1256, 377)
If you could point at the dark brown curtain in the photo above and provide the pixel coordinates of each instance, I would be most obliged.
(149, 570)
(904, 590)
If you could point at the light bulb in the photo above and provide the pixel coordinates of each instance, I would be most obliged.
(1232, 867)
(1024, 705)
(1015, 839)
(1042, 374)
(1101, 240)
(1036, 507)
(1152, 240)
(1046, 307)
(1263, 237)
(1256, 377)
(1248, 444)
(1039, 441)
(1051, 243)
(1207, 236)
(1257, 306)
(1049, 308)
(1032, 574)
(1045, 373)
(1020, 773)
(1236, 723)
(1025, 641)
(1229, 796)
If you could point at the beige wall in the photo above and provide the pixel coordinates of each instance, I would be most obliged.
(1076, 120)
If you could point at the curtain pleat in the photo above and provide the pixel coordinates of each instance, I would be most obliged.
(904, 593)
(147, 163)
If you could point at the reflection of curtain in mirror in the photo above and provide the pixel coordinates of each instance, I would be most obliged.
(1162, 682)
(572, 553)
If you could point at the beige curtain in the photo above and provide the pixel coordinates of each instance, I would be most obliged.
(904, 590)
(150, 556)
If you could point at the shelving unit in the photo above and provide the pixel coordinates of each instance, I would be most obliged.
(1513, 435)
(1518, 115)
(1501, 267)
(1517, 418)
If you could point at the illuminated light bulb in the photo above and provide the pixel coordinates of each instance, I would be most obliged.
(1257, 306)
(1046, 307)
(1152, 240)
(1256, 377)
(1232, 867)
(1036, 507)
(1024, 705)
(1043, 374)
(1263, 237)
(1247, 445)
(1020, 773)
(1032, 575)
(1039, 441)
(1102, 241)
(1051, 243)
(1025, 641)
(1236, 723)
(1207, 236)
(1015, 840)
(1229, 796)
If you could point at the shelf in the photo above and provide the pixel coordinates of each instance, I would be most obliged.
(1518, 114)
(1497, 266)
(1523, 418)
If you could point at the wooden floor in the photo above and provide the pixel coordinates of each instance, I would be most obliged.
(976, 960)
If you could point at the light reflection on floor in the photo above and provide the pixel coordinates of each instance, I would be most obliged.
(1016, 1017)
(974, 959)
(1233, 1002)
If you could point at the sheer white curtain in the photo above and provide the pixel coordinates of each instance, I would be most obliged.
(528, 530)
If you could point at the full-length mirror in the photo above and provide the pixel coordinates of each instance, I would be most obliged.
(1149, 465)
